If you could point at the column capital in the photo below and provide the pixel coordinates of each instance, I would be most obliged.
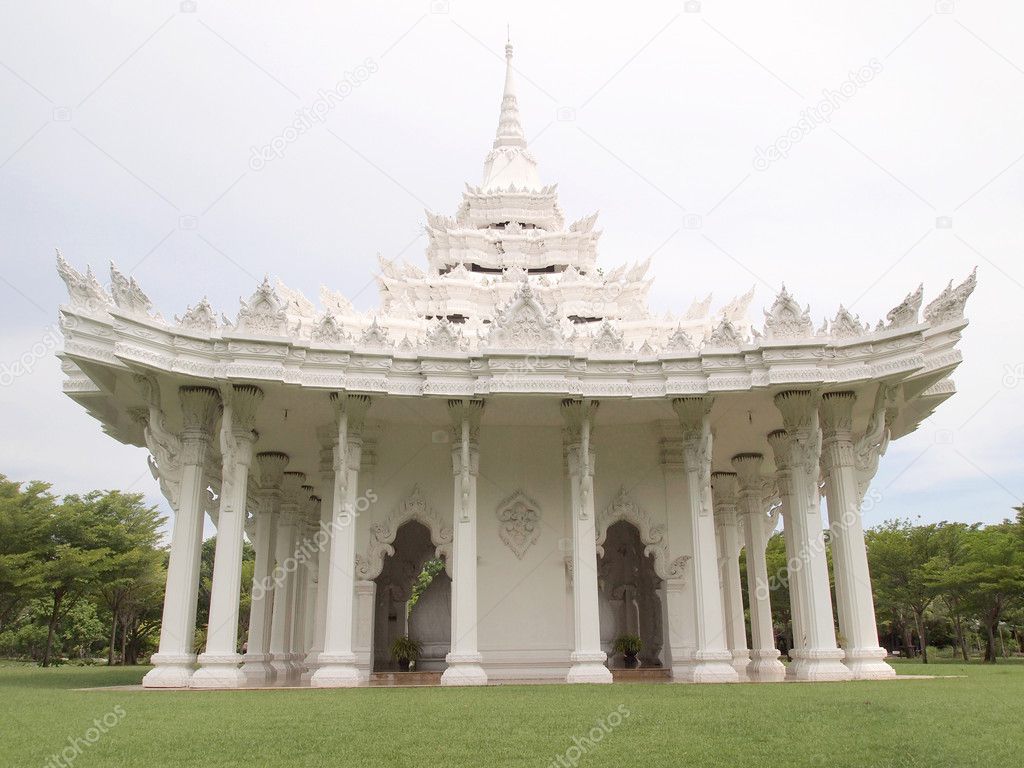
(693, 414)
(723, 488)
(469, 408)
(576, 412)
(836, 413)
(354, 406)
(291, 486)
(245, 400)
(199, 408)
(748, 471)
(779, 441)
(798, 407)
(271, 465)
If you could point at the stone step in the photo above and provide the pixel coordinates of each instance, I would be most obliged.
(641, 674)
(385, 679)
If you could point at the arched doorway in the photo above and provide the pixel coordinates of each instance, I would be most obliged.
(629, 602)
(429, 622)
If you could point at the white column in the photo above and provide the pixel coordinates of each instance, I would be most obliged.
(304, 580)
(723, 492)
(712, 659)
(588, 660)
(464, 657)
(324, 552)
(286, 539)
(795, 571)
(362, 645)
(799, 452)
(218, 665)
(256, 663)
(765, 666)
(678, 586)
(337, 664)
(856, 608)
(175, 660)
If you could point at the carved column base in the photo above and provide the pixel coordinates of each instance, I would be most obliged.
(464, 669)
(310, 665)
(819, 665)
(285, 671)
(868, 664)
(684, 661)
(336, 670)
(765, 667)
(714, 667)
(171, 671)
(588, 668)
(218, 670)
(741, 663)
(257, 669)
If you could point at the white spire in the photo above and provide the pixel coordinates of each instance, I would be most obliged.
(510, 127)
(509, 162)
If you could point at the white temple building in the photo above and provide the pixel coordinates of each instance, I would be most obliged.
(584, 468)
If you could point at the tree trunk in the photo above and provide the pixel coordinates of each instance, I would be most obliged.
(922, 634)
(961, 641)
(52, 630)
(990, 646)
(124, 639)
(908, 641)
(113, 635)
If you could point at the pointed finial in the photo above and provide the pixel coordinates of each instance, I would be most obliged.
(510, 129)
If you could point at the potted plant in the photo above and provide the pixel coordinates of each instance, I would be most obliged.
(404, 651)
(629, 646)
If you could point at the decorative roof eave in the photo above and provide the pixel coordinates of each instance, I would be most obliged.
(135, 342)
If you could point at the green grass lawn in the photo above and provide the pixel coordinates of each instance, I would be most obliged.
(971, 720)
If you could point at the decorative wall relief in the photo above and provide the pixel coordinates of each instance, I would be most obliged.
(519, 522)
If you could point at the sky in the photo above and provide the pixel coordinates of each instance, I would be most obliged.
(851, 150)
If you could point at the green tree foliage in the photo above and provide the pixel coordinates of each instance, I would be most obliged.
(426, 576)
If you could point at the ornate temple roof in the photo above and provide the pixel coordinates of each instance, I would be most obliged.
(506, 282)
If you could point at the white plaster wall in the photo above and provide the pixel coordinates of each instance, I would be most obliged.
(524, 605)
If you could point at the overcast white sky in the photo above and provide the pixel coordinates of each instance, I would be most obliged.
(128, 129)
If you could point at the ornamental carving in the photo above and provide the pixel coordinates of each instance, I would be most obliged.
(201, 317)
(846, 325)
(519, 522)
(127, 293)
(949, 305)
(328, 330)
(382, 535)
(525, 324)
(652, 536)
(375, 335)
(263, 314)
(83, 290)
(786, 320)
(608, 340)
(445, 336)
(679, 341)
(724, 335)
(905, 313)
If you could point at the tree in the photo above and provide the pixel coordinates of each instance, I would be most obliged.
(24, 516)
(997, 570)
(949, 574)
(897, 552)
(132, 534)
(778, 582)
(75, 558)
